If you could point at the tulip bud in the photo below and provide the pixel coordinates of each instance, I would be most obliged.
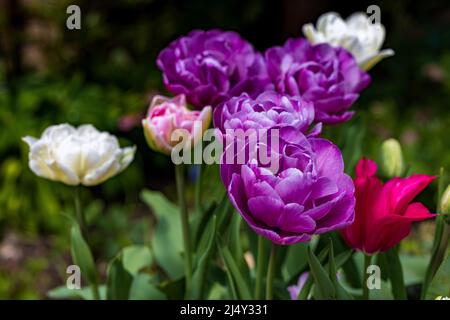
(392, 164)
(168, 118)
(445, 202)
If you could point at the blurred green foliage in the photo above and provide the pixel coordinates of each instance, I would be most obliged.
(107, 70)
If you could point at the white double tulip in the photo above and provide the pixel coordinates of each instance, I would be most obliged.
(76, 156)
(357, 34)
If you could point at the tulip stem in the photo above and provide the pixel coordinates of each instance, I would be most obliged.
(259, 268)
(79, 210)
(271, 272)
(179, 177)
(198, 190)
(365, 287)
(82, 224)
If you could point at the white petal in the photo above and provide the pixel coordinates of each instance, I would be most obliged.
(371, 61)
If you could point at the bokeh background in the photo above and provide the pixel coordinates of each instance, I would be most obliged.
(105, 74)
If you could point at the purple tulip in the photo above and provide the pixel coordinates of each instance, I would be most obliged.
(308, 194)
(329, 77)
(211, 66)
(267, 110)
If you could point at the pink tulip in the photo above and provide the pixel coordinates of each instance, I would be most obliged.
(384, 212)
(166, 115)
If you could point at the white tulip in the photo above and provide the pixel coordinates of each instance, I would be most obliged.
(357, 34)
(76, 156)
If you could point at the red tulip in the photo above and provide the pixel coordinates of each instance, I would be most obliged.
(384, 212)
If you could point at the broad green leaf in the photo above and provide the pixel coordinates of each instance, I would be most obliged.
(167, 234)
(144, 287)
(440, 285)
(295, 262)
(352, 146)
(82, 256)
(136, 257)
(395, 272)
(233, 272)
(85, 293)
(205, 254)
(119, 280)
(324, 288)
(212, 187)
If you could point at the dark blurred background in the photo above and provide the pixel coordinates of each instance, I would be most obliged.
(105, 74)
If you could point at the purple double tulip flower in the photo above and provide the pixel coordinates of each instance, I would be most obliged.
(211, 66)
(329, 77)
(307, 194)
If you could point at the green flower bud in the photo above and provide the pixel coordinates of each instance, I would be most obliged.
(392, 164)
(445, 202)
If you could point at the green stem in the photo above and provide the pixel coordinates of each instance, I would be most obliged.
(367, 260)
(82, 223)
(271, 272)
(79, 210)
(179, 176)
(259, 268)
(198, 190)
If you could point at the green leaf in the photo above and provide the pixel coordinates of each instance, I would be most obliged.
(144, 287)
(235, 244)
(82, 256)
(136, 257)
(295, 262)
(395, 272)
(119, 280)
(440, 285)
(304, 293)
(234, 274)
(352, 146)
(85, 293)
(341, 293)
(205, 253)
(212, 187)
(167, 234)
(324, 288)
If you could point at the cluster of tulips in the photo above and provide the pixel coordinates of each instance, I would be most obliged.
(289, 92)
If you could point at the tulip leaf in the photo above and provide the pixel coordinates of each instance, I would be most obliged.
(144, 287)
(352, 145)
(136, 257)
(63, 292)
(235, 244)
(395, 273)
(340, 260)
(324, 288)
(206, 248)
(167, 233)
(82, 255)
(295, 262)
(304, 293)
(211, 185)
(341, 293)
(233, 272)
(440, 285)
(119, 280)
